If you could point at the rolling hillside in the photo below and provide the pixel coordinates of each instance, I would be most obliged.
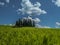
(29, 36)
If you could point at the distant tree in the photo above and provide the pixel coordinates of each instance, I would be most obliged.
(33, 23)
(25, 23)
(17, 23)
(20, 22)
(29, 22)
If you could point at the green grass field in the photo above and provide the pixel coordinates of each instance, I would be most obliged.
(29, 36)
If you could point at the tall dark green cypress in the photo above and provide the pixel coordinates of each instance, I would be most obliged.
(16, 23)
(33, 23)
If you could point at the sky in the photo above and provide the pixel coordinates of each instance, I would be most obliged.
(47, 11)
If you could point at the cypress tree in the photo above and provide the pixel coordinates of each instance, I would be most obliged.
(33, 23)
(16, 23)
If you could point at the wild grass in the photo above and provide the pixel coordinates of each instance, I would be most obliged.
(29, 36)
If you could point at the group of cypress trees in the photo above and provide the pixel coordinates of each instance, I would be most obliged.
(25, 23)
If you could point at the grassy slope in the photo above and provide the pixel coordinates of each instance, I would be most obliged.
(29, 36)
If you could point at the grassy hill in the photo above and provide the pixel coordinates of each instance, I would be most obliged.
(29, 36)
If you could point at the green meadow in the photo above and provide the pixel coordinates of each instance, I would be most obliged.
(29, 36)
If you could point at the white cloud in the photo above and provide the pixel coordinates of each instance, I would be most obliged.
(37, 20)
(58, 23)
(31, 9)
(39, 26)
(56, 26)
(27, 18)
(2, 3)
(56, 2)
(37, 4)
(9, 24)
(30, 18)
(46, 27)
(7, 1)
